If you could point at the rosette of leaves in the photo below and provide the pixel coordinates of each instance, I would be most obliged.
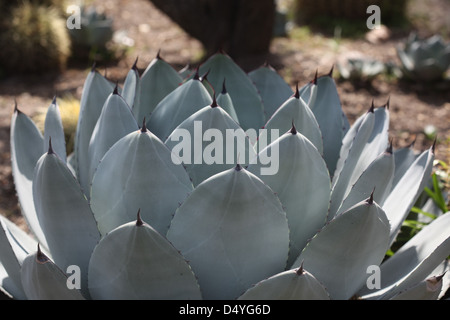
(424, 59)
(139, 225)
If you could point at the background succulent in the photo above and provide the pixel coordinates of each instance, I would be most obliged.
(424, 59)
(139, 225)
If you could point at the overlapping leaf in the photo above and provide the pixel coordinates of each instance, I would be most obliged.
(233, 231)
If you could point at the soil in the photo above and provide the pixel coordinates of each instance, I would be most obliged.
(412, 106)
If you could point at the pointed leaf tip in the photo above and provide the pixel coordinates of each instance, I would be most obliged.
(297, 93)
(214, 102)
(372, 107)
(94, 66)
(134, 67)
(54, 99)
(389, 149)
(41, 257)
(116, 89)
(224, 88)
(314, 81)
(139, 221)
(50, 148)
(293, 129)
(433, 147)
(238, 167)
(158, 54)
(370, 199)
(387, 103)
(144, 127)
(16, 108)
(330, 74)
(197, 75)
(300, 270)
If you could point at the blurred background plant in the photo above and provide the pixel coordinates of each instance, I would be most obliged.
(33, 37)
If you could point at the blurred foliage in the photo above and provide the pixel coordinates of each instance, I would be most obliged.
(33, 38)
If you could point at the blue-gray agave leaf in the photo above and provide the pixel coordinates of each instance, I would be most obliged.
(116, 121)
(288, 285)
(131, 91)
(353, 146)
(209, 142)
(26, 148)
(428, 289)
(158, 80)
(377, 177)
(224, 100)
(138, 172)
(64, 214)
(15, 245)
(414, 261)
(359, 238)
(273, 89)
(404, 157)
(407, 190)
(43, 280)
(333, 123)
(53, 129)
(135, 262)
(96, 90)
(177, 106)
(294, 110)
(246, 99)
(233, 231)
(300, 179)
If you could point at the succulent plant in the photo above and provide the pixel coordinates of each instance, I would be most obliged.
(424, 59)
(124, 218)
(361, 69)
(95, 31)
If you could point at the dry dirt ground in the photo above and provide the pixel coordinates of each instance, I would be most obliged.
(412, 106)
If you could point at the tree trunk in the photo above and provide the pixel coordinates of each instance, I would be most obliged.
(241, 28)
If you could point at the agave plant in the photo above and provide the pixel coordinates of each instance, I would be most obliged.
(128, 216)
(424, 59)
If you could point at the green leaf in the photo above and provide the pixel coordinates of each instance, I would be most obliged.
(233, 231)
(135, 262)
(27, 144)
(339, 255)
(177, 106)
(327, 109)
(158, 80)
(138, 173)
(273, 89)
(115, 122)
(415, 260)
(302, 183)
(96, 90)
(246, 100)
(64, 214)
(288, 285)
(53, 129)
(43, 280)
(211, 142)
